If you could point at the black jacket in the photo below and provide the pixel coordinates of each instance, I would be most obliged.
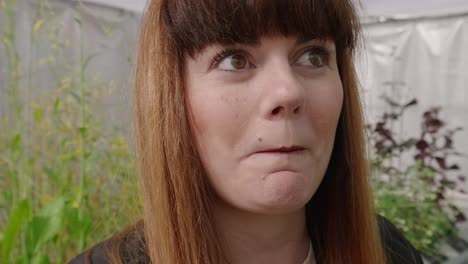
(397, 248)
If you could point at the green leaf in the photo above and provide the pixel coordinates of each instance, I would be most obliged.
(38, 114)
(57, 104)
(52, 174)
(76, 96)
(80, 222)
(54, 208)
(38, 25)
(87, 60)
(18, 218)
(77, 20)
(83, 131)
(74, 198)
(40, 259)
(44, 226)
(35, 233)
(21, 260)
(16, 142)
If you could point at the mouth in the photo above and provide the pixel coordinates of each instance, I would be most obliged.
(283, 150)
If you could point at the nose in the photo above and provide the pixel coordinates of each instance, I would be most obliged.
(284, 95)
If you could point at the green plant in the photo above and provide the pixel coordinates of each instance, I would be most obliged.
(412, 177)
(67, 182)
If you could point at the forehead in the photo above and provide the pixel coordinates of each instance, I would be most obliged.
(195, 24)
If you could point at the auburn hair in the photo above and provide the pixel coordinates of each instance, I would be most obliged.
(178, 224)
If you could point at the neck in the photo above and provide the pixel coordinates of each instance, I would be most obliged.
(262, 238)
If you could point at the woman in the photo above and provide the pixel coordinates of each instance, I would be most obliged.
(250, 139)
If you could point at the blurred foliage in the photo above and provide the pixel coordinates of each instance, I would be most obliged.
(411, 176)
(67, 182)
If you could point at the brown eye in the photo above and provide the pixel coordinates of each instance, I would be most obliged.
(316, 57)
(316, 60)
(238, 61)
(233, 62)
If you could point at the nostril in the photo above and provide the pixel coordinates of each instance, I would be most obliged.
(276, 110)
(296, 110)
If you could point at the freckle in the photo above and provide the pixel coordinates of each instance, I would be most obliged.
(259, 139)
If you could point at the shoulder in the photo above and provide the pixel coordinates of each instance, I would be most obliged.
(397, 247)
(96, 254)
(129, 246)
(132, 248)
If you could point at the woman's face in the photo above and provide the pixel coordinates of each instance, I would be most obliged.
(264, 118)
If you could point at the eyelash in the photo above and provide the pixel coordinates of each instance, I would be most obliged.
(322, 51)
(221, 55)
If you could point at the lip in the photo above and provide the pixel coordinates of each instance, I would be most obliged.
(282, 150)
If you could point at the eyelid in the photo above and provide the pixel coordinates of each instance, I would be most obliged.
(325, 51)
(223, 54)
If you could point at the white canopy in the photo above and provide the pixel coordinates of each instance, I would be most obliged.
(131, 5)
(393, 8)
(412, 8)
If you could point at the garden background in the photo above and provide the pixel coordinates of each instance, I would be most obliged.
(67, 168)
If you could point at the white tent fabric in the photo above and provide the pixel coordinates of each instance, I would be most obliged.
(413, 8)
(400, 8)
(137, 6)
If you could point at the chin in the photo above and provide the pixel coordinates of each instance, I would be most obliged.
(281, 209)
(285, 193)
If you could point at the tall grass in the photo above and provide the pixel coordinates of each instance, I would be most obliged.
(66, 181)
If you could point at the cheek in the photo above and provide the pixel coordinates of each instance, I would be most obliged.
(216, 123)
(325, 105)
(218, 116)
(214, 116)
